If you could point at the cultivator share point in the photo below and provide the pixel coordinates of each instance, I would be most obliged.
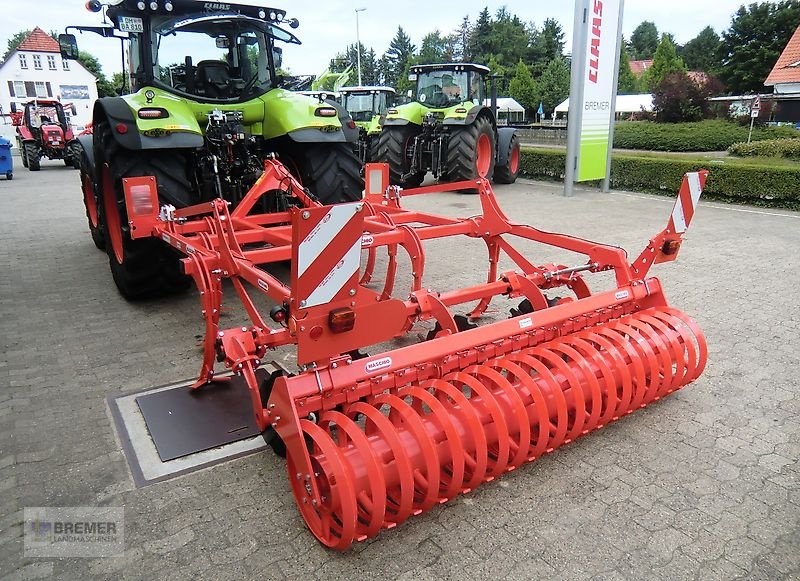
(372, 439)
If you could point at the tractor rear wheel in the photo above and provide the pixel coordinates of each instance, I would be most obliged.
(393, 145)
(331, 171)
(32, 155)
(146, 267)
(507, 173)
(470, 151)
(90, 203)
(23, 156)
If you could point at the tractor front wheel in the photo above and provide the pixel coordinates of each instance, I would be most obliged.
(331, 171)
(470, 151)
(508, 172)
(394, 143)
(145, 267)
(32, 155)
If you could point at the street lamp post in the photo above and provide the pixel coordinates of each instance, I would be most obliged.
(358, 46)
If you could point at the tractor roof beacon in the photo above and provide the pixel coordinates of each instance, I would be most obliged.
(447, 129)
(207, 108)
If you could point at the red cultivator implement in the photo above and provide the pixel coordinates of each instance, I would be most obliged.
(372, 440)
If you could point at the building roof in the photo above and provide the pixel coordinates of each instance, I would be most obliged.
(639, 67)
(39, 41)
(787, 69)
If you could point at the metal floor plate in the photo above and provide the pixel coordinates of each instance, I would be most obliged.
(184, 421)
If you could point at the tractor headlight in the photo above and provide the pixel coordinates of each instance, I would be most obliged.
(141, 5)
(168, 6)
(262, 15)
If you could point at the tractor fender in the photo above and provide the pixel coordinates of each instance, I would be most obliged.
(470, 117)
(395, 121)
(24, 133)
(295, 115)
(118, 112)
(86, 143)
(504, 135)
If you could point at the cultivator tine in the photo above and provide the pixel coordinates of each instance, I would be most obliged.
(372, 440)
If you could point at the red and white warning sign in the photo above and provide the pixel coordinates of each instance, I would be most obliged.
(691, 188)
(326, 253)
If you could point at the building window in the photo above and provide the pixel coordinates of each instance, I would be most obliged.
(41, 89)
(37, 62)
(23, 61)
(19, 89)
(51, 62)
(65, 64)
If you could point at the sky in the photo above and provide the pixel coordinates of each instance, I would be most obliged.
(327, 27)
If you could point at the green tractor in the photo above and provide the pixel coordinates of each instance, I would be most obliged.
(367, 106)
(206, 109)
(448, 129)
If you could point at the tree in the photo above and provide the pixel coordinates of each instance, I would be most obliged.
(91, 64)
(435, 48)
(665, 61)
(554, 84)
(397, 58)
(461, 47)
(702, 52)
(552, 39)
(627, 83)
(522, 87)
(751, 46)
(478, 48)
(644, 41)
(677, 99)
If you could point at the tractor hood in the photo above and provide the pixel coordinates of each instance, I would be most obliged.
(415, 112)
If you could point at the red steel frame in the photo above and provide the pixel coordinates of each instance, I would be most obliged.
(222, 244)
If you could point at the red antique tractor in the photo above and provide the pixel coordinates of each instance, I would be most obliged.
(43, 130)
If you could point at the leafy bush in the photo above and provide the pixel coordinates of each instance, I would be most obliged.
(679, 98)
(736, 181)
(711, 135)
(788, 148)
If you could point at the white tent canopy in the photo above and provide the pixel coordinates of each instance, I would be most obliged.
(625, 104)
(508, 109)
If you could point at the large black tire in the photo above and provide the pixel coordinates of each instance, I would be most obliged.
(32, 155)
(143, 268)
(471, 151)
(91, 203)
(393, 146)
(330, 171)
(73, 155)
(372, 148)
(508, 172)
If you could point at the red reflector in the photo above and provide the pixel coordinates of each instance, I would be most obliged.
(122, 129)
(351, 124)
(671, 247)
(341, 320)
(141, 200)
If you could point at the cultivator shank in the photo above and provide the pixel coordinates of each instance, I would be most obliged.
(374, 439)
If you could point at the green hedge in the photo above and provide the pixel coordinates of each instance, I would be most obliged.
(711, 135)
(788, 148)
(736, 181)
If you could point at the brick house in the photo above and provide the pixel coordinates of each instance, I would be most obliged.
(36, 69)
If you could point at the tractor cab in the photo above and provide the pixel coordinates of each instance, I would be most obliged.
(206, 51)
(47, 119)
(367, 104)
(441, 86)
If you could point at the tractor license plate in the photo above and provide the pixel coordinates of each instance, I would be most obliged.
(130, 24)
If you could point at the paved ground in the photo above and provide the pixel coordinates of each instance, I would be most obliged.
(702, 485)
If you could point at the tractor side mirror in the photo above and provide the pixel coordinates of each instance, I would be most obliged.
(410, 94)
(13, 107)
(68, 45)
(277, 56)
(73, 109)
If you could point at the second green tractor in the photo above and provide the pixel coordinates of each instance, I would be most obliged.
(449, 129)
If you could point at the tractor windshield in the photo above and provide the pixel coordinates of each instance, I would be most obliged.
(216, 58)
(443, 88)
